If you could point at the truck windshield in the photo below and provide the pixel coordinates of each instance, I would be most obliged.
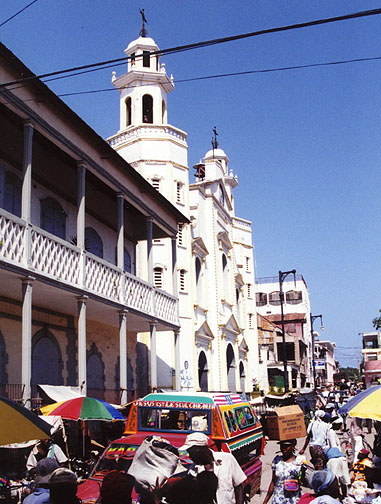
(117, 458)
(174, 420)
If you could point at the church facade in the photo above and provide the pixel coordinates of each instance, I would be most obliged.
(216, 346)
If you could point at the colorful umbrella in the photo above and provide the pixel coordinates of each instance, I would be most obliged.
(18, 424)
(83, 408)
(366, 404)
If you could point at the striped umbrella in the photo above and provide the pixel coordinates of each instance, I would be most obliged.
(83, 408)
(366, 404)
(18, 424)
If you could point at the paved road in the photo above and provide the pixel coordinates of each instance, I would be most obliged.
(272, 449)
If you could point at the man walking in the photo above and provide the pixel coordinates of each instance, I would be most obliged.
(224, 465)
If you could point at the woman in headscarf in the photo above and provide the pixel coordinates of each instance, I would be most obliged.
(317, 432)
(326, 489)
(287, 471)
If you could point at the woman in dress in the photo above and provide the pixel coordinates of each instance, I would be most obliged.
(287, 471)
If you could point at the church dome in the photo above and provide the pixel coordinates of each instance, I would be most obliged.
(146, 42)
(216, 154)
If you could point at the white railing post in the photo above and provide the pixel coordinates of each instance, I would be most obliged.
(26, 197)
(26, 345)
(82, 373)
(81, 219)
(123, 355)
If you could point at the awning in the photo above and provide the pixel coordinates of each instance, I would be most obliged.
(61, 392)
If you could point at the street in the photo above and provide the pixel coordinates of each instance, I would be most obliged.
(271, 449)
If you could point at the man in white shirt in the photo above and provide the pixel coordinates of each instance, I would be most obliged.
(224, 465)
(45, 449)
(317, 439)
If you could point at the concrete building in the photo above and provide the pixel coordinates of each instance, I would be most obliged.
(371, 353)
(325, 362)
(77, 224)
(217, 342)
(296, 308)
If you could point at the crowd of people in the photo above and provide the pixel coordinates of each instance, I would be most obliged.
(335, 474)
(329, 475)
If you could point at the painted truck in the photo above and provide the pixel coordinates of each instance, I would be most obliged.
(227, 419)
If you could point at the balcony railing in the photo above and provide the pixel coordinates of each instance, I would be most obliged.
(148, 131)
(34, 249)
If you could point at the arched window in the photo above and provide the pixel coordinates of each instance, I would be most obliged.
(230, 361)
(203, 372)
(93, 242)
(12, 194)
(53, 217)
(242, 376)
(198, 279)
(95, 374)
(163, 112)
(46, 359)
(147, 112)
(127, 261)
(225, 273)
(128, 112)
(158, 277)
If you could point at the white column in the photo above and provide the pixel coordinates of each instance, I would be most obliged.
(123, 355)
(152, 330)
(149, 224)
(27, 172)
(26, 197)
(120, 242)
(82, 374)
(26, 341)
(176, 335)
(174, 266)
(81, 219)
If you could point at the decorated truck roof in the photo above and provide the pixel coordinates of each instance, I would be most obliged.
(222, 416)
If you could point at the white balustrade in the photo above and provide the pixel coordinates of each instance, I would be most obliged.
(59, 260)
(102, 277)
(12, 233)
(138, 294)
(55, 257)
(165, 306)
(147, 130)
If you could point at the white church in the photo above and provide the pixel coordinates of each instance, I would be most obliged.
(117, 274)
(216, 347)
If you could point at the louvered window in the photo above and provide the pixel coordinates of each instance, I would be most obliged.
(180, 235)
(249, 291)
(182, 280)
(158, 277)
(156, 183)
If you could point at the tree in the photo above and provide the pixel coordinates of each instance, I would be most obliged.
(377, 322)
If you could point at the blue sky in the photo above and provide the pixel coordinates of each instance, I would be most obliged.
(305, 143)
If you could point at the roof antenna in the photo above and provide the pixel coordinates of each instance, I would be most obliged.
(214, 140)
(143, 32)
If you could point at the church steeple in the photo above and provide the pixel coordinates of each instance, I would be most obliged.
(144, 88)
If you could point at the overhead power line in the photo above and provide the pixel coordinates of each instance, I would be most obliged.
(17, 13)
(206, 43)
(235, 74)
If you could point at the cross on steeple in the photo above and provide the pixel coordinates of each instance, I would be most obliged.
(143, 32)
(214, 139)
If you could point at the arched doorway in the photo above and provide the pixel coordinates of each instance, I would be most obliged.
(230, 361)
(242, 376)
(95, 374)
(203, 372)
(46, 359)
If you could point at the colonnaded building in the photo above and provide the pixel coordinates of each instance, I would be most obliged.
(117, 275)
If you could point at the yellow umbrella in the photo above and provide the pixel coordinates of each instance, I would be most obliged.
(366, 404)
(18, 424)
